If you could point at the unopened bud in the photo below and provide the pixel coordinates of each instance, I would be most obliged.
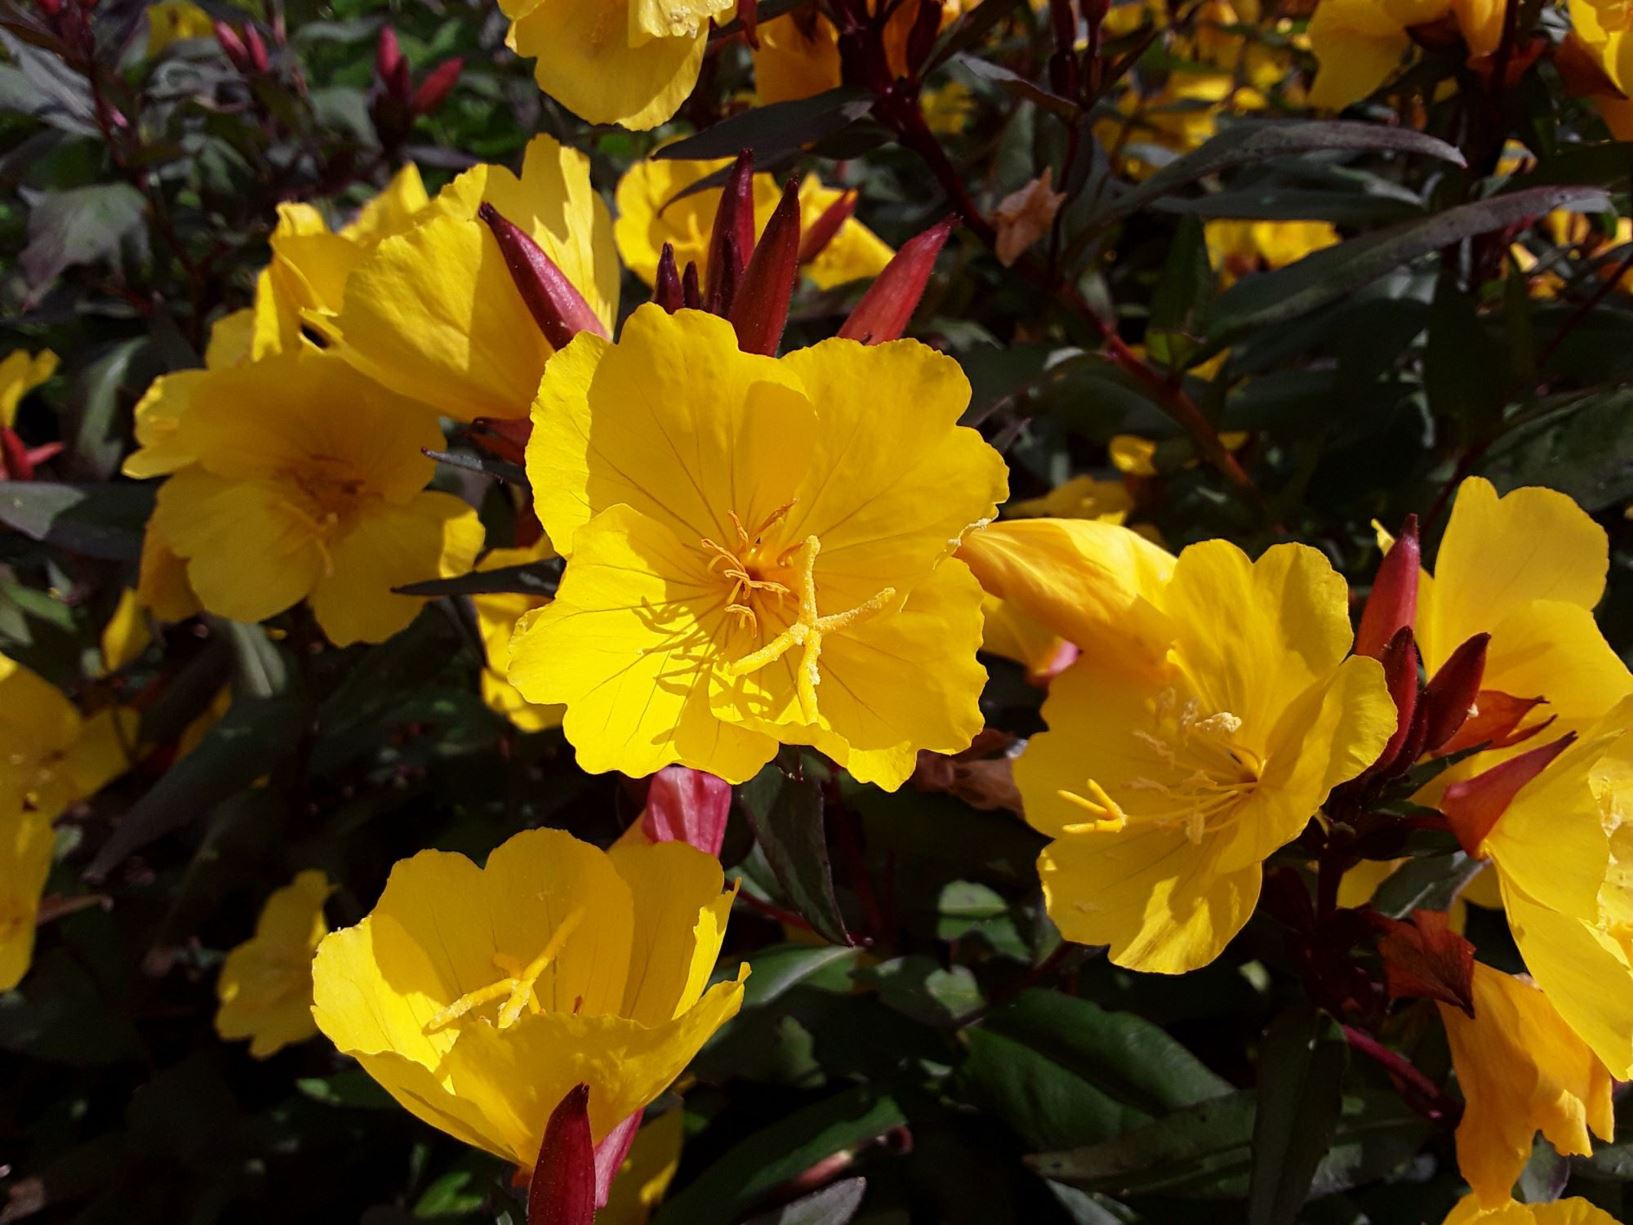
(233, 46)
(562, 1187)
(436, 87)
(1400, 664)
(15, 464)
(1394, 599)
(259, 61)
(1473, 807)
(666, 289)
(732, 237)
(556, 305)
(889, 303)
(691, 296)
(388, 53)
(822, 232)
(1449, 697)
(686, 805)
(759, 311)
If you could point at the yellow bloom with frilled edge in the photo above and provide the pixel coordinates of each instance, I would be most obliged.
(1560, 1212)
(433, 313)
(1094, 584)
(496, 617)
(1528, 568)
(311, 265)
(632, 62)
(743, 531)
(307, 480)
(20, 373)
(1165, 790)
(649, 215)
(1565, 891)
(478, 997)
(171, 21)
(1239, 248)
(644, 1178)
(51, 758)
(1360, 43)
(265, 988)
(1521, 1070)
(1602, 26)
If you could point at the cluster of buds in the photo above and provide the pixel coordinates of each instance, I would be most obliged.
(244, 47)
(1073, 74)
(396, 102)
(70, 21)
(748, 281)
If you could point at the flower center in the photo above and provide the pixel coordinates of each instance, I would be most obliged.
(517, 988)
(748, 566)
(1198, 779)
(328, 494)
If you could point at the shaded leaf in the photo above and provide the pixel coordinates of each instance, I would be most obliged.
(1300, 1094)
(771, 131)
(532, 578)
(83, 225)
(785, 813)
(833, 1205)
(102, 521)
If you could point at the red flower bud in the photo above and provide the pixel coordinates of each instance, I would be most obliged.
(1449, 697)
(748, 15)
(1472, 808)
(1394, 599)
(1495, 723)
(685, 805)
(259, 60)
(233, 46)
(1400, 663)
(890, 301)
(558, 308)
(759, 311)
(387, 54)
(434, 90)
(562, 1188)
(818, 237)
(666, 289)
(15, 462)
(691, 297)
(732, 238)
(400, 84)
(610, 1154)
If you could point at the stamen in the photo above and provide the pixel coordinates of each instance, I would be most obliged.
(517, 989)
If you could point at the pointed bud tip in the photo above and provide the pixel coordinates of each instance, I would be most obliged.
(1473, 807)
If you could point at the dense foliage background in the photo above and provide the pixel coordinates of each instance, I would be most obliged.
(911, 1019)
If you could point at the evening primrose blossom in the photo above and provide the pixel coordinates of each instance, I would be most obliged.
(1166, 779)
(1521, 1070)
(295, 478)
(20, 373)
(265, 989)
(1572, 1211)
(478, 997)
(756, 554)
(496, 615)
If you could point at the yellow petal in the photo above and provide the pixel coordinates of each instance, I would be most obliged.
(647, 1172)
(158, 415)
(434, 536)
(1358, 47)
(629, 645)
(126, 635)
(650, 215)
(162, 587)
(20, 374)
(231, 339)
(673, 18)
(265, 988)
(791, 64)
(26, 845)
(680, 923)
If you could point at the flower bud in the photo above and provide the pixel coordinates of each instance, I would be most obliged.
(1394, 599)
(691, 296)
(890, 301)
(666, 288)
(557, 306)
(1473, 807)
(1449, 697)
(259, 61)
(15, 462)
(822, 233)
(732, 238)
(387, 54)
(233, 45)
(759, 310)
(436, 87)
(685, 805)
(1400, 663)
(562, 1188)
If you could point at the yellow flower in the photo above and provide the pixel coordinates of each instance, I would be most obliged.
(799, 54)
(631, 63)
(1176, 119)
(1136, 456)
(1359, 43)
(311, 264)
(20, 374)
(1561, 854)
(432, 312)
(51, 759)
(1560, 1212)
(478, 997)
(1165, 787)
(496, 617)
(1521, 1070)
(742, 530)
(649, 216)
(1082, 497)
(295, 477)
(947, 108)
(171, 21)
(126, 635)
(644, 1177)
(1238, 248)
(265, 987)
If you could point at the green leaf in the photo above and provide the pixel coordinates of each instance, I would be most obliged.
(260, 668)
(1333, 272)
(1274, 202)
(833, 1205)
(771, 131)
(1300, 1095)
(783, 967)
(1427, 883)
(82, 226)
(1017, 86)
(102, 521)
(1463, 367)
(774, 1154)
(917, 986)
(1046, 1105)
(251, 738)
(98, 414)
(1585, 450)
(1256, 141)
(785, 813)
(530, 578)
